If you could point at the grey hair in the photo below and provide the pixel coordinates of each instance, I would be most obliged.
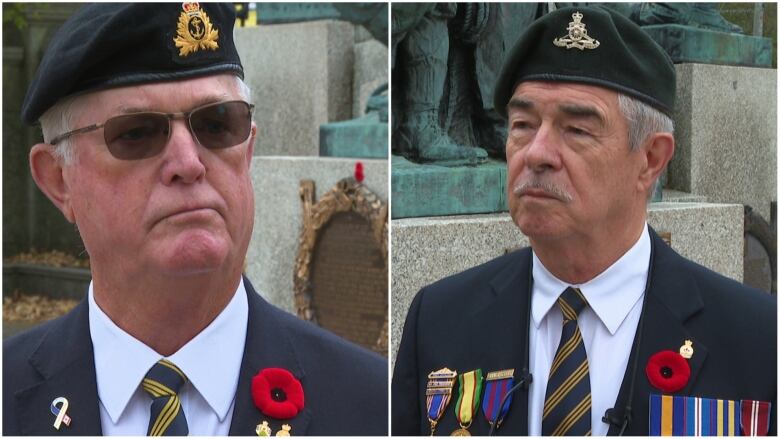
(58, 120)
(643, 121)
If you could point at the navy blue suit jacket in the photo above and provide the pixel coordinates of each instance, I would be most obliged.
(478, 319)
(345, 386)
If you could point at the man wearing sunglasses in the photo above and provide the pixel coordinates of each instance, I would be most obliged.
(148, 141)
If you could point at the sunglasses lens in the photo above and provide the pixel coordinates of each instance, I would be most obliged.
(136, 136)
(222, 125)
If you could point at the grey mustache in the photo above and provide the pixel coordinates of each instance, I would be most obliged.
(548, 188)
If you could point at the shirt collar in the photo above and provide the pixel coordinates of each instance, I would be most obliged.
(611, 295)
(122, 361)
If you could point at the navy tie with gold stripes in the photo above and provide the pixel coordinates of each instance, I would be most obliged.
(567, 401)
(163, 382)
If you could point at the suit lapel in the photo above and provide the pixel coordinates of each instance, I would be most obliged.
(267, 345)
(65, 362)
(505, 318)
(671, 300)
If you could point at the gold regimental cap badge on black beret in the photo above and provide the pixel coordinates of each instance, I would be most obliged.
(618, 55)
(578, 36)
(195, 31)
(107, 45)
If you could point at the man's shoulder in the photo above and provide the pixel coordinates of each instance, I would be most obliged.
(322, 352)
(19, 348)
(313, 340)
(342, 379)
(720, 309)
(32, 355)
(720, 292)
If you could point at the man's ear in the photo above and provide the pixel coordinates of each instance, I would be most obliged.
(658, 151)
(47, 171)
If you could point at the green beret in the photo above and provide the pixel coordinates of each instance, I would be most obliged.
(106, 45)
(590, 45)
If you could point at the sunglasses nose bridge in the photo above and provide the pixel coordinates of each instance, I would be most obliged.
(187, 119)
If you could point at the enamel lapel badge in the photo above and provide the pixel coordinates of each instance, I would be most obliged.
(59, 408)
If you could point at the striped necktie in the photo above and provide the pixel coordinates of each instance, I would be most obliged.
(567, 401)
(162, 383)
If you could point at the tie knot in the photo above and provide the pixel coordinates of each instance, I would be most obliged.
(164, 379)
(572, 302)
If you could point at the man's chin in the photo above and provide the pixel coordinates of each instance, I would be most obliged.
(193, 254)
(539, 228)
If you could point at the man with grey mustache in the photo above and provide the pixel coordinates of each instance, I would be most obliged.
(599, 323)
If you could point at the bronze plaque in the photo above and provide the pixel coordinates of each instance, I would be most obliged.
(349, 280)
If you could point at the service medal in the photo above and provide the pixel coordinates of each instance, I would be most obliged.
(438, 394)
(497, 384)
(468, 400)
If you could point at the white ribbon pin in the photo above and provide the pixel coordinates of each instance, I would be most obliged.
(60, 412)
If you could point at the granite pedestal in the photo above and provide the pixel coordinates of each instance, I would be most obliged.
(301, 77)
(726, 135)
(427, 249)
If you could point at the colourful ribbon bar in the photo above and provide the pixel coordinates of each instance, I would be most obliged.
(755, 417)
(691, 416)
(497, 384)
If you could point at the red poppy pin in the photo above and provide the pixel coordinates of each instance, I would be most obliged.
(277, 393)
(668, 371)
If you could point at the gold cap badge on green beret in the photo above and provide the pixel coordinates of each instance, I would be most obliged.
(194, 31)
(578, 35)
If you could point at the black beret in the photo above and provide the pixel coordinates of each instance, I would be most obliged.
(591, 45)
(106, 45)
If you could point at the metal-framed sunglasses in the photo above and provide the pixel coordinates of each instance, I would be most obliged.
(142, 135)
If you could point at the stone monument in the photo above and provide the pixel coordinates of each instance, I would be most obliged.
(321, 79)
(364, 136)
(697, 33)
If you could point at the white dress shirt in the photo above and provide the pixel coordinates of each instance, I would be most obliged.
(211, 361)
(608, 326)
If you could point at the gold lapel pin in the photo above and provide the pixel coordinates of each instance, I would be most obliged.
(285, 431)
(686, 350)
(263, 429)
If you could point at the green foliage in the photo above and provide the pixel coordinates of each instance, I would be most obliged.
(13, 13)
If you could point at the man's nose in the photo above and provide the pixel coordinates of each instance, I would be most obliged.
(543, 152)
(182, 156)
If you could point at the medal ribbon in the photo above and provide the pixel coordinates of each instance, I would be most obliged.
(495, 390)
(437, 404)
(468, 396)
